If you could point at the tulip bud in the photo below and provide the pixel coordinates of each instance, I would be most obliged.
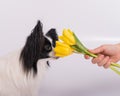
(62, 49)
(68, 37)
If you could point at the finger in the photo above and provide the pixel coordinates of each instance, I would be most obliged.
(103, 61)
(86, 57)
(114, 59)
(107, 65)
(98, 59)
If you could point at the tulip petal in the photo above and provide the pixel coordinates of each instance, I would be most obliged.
(62, 44)
(62, 49)
(59, 55)
(70, 31)
(68, 37)
(61, 38)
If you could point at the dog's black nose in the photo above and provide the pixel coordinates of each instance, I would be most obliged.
(56, 57)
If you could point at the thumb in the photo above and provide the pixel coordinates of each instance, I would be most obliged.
(97, 50)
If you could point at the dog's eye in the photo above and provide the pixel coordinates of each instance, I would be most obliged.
(48, 47)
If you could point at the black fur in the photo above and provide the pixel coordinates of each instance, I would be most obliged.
(37, 47)
(53, 35)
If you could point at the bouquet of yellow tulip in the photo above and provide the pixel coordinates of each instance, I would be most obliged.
(69, 43)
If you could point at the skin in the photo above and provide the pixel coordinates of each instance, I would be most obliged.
(106, 54)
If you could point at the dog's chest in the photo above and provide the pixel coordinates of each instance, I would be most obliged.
(14, 82)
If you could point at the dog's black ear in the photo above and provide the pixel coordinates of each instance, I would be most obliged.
(53, 35)
(38, 32)
(32, 49)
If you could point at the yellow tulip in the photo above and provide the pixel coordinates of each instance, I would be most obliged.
(62, 49)
(68, 37)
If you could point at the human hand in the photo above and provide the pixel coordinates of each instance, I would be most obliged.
(106, 54)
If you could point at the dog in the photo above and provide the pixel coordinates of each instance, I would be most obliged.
(21, 71)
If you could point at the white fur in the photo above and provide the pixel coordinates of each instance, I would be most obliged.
(14, 82)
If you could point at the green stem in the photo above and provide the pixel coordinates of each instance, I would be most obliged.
(79, 43)
(76, 48)
(115, 70)
(82, 48)
(115, 64)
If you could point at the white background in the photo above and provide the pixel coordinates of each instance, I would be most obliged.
(95, 22)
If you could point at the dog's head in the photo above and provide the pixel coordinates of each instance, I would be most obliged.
(38, 46)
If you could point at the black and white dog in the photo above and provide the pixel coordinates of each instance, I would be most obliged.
(22, 71)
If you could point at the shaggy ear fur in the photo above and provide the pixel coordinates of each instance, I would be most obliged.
(32, 49)
(53, 35)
